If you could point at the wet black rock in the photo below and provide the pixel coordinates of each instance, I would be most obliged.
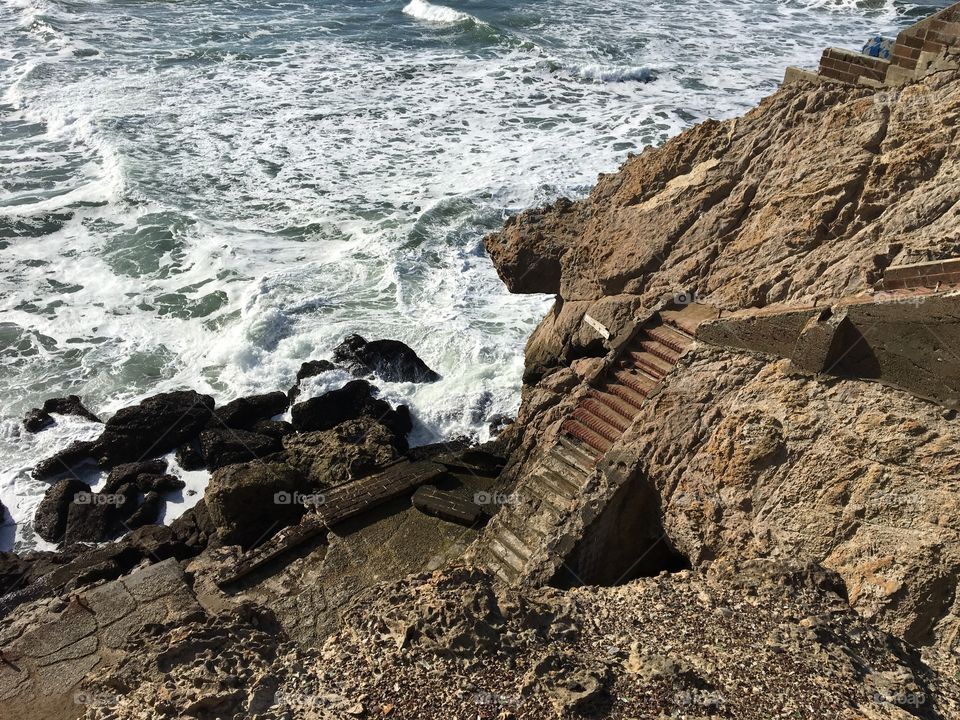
(273, 428)
(39, 418)
(189, 456)
(129, 472)
(244, 412)
(95, 517)
(50, 519)
(147, 513)
(391, 360)
(195, 527)
(312, 368)
(65, 460)
(249, 503)
(309, 369)
(155, 426)
(230, 447)
(351, 402)
(499, 423)
(159, 483)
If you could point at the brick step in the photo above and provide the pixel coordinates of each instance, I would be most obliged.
(658, 349)
(606, 413)
(586, 435)
(679, 322)
(580, 457)
(672, 338)
(628, 396)
(597, 424)
(650, 364)
(623, 409)
(639, 384)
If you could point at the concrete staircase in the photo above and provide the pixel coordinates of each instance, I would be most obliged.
(517, 539)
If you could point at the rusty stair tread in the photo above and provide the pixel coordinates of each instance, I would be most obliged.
(631, 397)
(638, 384)
(596, 423)
(583, 433)
(660, 350)
(668, 335)
(624, 409)
(606, 413)
(650, 363)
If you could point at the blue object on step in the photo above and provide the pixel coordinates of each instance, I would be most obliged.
(879, 47)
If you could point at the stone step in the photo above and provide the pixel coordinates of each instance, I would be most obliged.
(674, 339)
(688, 318)
(650, 364)
(622, 409)
(640, 384)
(606, 413)
(573, 475)
(545, 491)
(524, 527)
(596, 423)
(563, 486)
(493, 559)
(507, 546)
(658, 349)
(628, 396)
(490, 561)
(584, 434)
(582, 458)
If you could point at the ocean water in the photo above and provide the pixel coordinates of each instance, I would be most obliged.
(206, 193)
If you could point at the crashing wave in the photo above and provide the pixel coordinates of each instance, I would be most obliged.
(607, 74)
(423, 10)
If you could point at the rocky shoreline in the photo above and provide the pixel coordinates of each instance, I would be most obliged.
(731, 489)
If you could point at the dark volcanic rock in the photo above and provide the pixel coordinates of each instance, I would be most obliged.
(39, 418)
(147, 513)
(74, 454)
(244, 412)
(189, 456)
(129, 472)
(194, 528)
(346, 452)
(391, 360)
(248, 503)
(50, 519)
(351, 402)
(229, 447)
(159, 483)
(158, 424)
(273, 428)
(311, 368)
(87, 522)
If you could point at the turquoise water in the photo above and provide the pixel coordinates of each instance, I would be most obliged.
(206, 193)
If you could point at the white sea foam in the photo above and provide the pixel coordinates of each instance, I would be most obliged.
(423, 10)
(608, 73)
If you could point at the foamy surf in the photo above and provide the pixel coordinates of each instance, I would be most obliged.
(423, 10)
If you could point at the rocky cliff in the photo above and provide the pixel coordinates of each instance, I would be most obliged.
(803, 202)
